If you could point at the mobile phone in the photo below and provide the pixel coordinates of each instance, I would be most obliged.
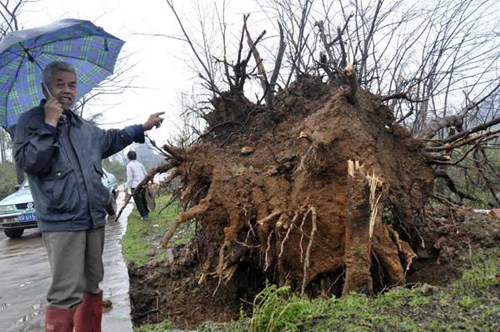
(46, 90)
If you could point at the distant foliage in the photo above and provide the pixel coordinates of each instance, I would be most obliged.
(477, 176)
(117, 169)
(147, 156)
(7, 179)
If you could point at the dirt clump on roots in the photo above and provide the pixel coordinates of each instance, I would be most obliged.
(321, 193)
(170, 290)
(449, 238)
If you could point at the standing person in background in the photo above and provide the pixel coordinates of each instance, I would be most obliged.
(135, 174)
(62, 155)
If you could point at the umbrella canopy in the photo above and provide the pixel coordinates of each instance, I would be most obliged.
(24, 54)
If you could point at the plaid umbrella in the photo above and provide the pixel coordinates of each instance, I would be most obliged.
(23, 55)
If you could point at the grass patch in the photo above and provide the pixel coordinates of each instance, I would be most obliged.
(277, 309)
(470, 304)
(143, 237)
(160, 327)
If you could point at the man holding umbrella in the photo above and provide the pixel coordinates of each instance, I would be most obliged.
(61, 154)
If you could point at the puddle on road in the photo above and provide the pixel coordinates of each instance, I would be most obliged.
(25, 284)
(3, 306)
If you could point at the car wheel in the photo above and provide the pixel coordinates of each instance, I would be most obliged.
(14, 233)
(112, 208)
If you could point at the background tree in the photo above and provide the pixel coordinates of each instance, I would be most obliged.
(7, 179)
(435, 64)
(9, 12)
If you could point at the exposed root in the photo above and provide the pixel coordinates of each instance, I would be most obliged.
(310, 151)
(269, 217)
(288, 233)
(307, 261)
(266, 266)
(250, 231)
(405, 250)
(249, 205)
(365, 192)
(185, 216)
(375, 195)
(302, 237)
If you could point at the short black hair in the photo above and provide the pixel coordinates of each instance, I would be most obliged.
(132, 155)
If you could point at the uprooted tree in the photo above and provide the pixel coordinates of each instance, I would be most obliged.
(323, 185)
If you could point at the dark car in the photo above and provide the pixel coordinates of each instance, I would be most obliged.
(17, 211)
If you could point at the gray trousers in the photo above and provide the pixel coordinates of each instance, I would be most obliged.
(76, 262)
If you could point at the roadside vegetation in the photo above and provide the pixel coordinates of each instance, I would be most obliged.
(142, 238)
(139, 242)
(7, 179)
(117, 169)
(471, 303)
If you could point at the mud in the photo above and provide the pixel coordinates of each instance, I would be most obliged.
(448, 241)
(171, 291)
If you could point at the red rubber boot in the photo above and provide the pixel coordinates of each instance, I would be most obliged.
(88, 315)
(59, 319)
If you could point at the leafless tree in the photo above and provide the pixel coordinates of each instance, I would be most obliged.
(434, 63)
(9, 12)
(436, 52)
(441, 53)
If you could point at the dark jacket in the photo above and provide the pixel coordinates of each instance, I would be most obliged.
(64, 167)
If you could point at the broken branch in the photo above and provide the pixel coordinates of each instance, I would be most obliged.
(350, 75)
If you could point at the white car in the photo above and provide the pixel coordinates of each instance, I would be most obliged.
(17, 211)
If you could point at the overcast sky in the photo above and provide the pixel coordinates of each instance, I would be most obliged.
(160, 67)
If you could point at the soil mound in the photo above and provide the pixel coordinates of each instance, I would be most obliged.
(323, 193)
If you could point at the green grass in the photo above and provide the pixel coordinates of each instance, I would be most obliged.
(160, 327)
(144, 237)
(470, 304)
(276, 309)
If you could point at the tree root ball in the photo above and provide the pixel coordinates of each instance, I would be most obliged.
(290, 209)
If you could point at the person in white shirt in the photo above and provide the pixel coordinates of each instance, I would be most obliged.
(135, 174)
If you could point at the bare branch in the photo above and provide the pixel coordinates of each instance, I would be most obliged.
(209, 78)
(402, 95)
(277, 67)
(259, 63)
(472, 130)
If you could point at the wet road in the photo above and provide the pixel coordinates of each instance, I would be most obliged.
(25, 279)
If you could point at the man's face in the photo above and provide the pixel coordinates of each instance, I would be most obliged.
(63, 88)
